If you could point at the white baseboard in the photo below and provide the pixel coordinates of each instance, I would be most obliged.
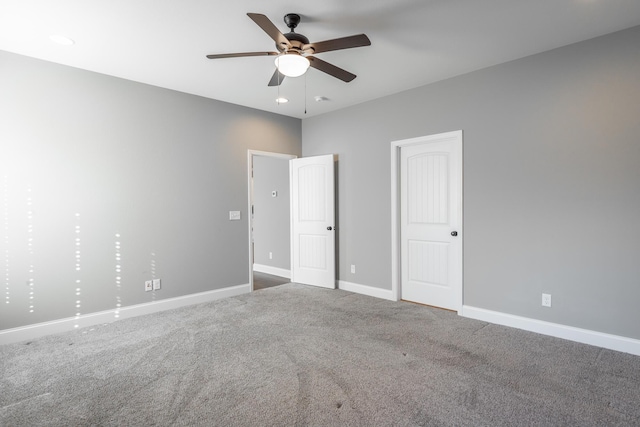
(585, 336)
(23, 333)
(282, 272)
(366, 290)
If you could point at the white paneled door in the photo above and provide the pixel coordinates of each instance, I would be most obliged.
(312, 221)
(431, 221)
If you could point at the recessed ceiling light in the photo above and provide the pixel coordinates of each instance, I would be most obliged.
(66, 41)
(282, 100)
(320, 98)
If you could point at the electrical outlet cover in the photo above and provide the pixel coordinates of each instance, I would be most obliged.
(156, 284)
(148, 285)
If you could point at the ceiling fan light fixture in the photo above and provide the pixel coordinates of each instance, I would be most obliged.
(292, 65)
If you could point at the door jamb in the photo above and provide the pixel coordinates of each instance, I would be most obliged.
(250, 155)
(395, 205)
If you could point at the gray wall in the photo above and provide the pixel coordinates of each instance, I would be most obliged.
(148, 175)
(271, 217)
(551, 181)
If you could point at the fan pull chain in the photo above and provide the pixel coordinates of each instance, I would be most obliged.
(305, 93)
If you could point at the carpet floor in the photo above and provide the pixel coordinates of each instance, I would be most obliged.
(294, 355)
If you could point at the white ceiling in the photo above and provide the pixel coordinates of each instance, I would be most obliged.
(414, 42)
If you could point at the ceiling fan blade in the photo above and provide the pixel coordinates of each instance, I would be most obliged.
(331, 69)
(276, 79)
(337, 44)
(269, 28)
(239, 55)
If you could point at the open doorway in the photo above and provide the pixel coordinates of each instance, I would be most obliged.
(269, 219)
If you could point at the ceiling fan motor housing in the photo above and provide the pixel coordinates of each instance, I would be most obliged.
(296, 40)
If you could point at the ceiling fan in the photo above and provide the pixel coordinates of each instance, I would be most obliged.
(295, 53)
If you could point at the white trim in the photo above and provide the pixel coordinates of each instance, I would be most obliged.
(395, 202)
(585, 336)
(366, 290)
(395, 221)
(250, 154)
(23, 333)
(276, 271)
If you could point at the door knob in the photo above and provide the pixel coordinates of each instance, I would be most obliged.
(454, 233)
(329, 228)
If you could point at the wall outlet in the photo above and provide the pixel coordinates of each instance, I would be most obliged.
(270, 255)
(546, 300)
(353, 269)
(148, 285)
(156, 284)
(234, 215)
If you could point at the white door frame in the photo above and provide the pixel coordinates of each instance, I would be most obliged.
(395, 205)
(250, 155)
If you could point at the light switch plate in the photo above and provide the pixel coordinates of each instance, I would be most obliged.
(234, 215)
(156, 284)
